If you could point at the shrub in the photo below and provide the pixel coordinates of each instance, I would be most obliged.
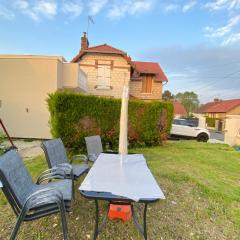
(211, 121)
(74, 116)
(2, 138)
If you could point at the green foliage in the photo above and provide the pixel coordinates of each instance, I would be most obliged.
(74, 116)
(211, 121)
(2, 138)
(189, 100)
(167, 95)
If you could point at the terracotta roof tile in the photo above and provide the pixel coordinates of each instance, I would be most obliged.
(222, 106)
(102, 49)
(150, 68)
(179, 109)
(105, 49)
(141, 67)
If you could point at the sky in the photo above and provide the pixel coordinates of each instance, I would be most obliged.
(197, 43)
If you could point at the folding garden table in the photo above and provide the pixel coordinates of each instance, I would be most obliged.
(123, 180)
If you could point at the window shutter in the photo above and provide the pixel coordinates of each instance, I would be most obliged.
(100, 76)
(104, 76)
(107, 76)
(144, 85)
(147, 84)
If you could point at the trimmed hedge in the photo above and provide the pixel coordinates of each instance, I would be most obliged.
(211, 121)
(74, 116)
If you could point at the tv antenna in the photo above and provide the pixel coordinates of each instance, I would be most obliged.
(90, 20)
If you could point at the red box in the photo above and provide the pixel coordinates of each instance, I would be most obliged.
(122, 212)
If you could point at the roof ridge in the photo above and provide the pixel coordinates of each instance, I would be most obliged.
(105, 44)
(115, 48)
(222, 101)
(98, 45)
(220, 106)
(145, 61)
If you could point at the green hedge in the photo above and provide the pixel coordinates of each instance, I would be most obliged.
(211, 121)
(74, 116)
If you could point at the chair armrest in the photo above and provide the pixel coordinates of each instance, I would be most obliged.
(43, 197)
(51, 174)
(67, 168)
(81, 157)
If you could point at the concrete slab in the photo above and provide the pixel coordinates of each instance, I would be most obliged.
(27, 149)
(215, 141)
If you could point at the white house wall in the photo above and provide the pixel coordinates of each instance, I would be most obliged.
(25, 82)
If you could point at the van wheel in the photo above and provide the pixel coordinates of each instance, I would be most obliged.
(202, 137)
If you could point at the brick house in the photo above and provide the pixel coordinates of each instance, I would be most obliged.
(219, 109)
(107, 69)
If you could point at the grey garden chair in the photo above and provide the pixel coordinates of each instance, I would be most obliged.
(56, 156)
(31, 200)
(94, 147)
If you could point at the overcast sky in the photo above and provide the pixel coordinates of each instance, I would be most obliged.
(197, 43)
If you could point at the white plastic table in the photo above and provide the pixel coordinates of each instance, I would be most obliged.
(121, 180)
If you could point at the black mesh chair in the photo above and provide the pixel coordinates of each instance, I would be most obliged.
(56, 156)
(31, 200)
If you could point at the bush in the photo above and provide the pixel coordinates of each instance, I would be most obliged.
(211, 121)
(74, 116)
(2, 138)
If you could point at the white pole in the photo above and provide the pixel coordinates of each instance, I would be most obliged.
(123, 142)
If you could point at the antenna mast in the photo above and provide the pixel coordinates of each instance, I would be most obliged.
(90, 20)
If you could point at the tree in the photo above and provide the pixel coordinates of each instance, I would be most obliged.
(189, 100)
(167, 95)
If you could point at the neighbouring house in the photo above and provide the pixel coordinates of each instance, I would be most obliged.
(179, 110)
(217, 111)
(232, 130)
(25, 82)
(108, 69)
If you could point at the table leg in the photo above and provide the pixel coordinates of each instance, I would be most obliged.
(145, 221)
(96, 220)
(141, 229)
(98, 228)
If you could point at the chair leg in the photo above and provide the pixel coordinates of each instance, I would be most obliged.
(18, 224)
(64, 220)
(73, 189)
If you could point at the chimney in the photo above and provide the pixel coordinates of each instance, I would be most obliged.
(84, 42)
(217, 100)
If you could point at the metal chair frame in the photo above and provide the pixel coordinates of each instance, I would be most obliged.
(40, 203)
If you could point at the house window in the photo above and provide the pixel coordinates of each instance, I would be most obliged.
(147, 84)
(103, 77)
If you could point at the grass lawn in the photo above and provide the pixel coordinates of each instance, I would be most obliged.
(202, 186)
